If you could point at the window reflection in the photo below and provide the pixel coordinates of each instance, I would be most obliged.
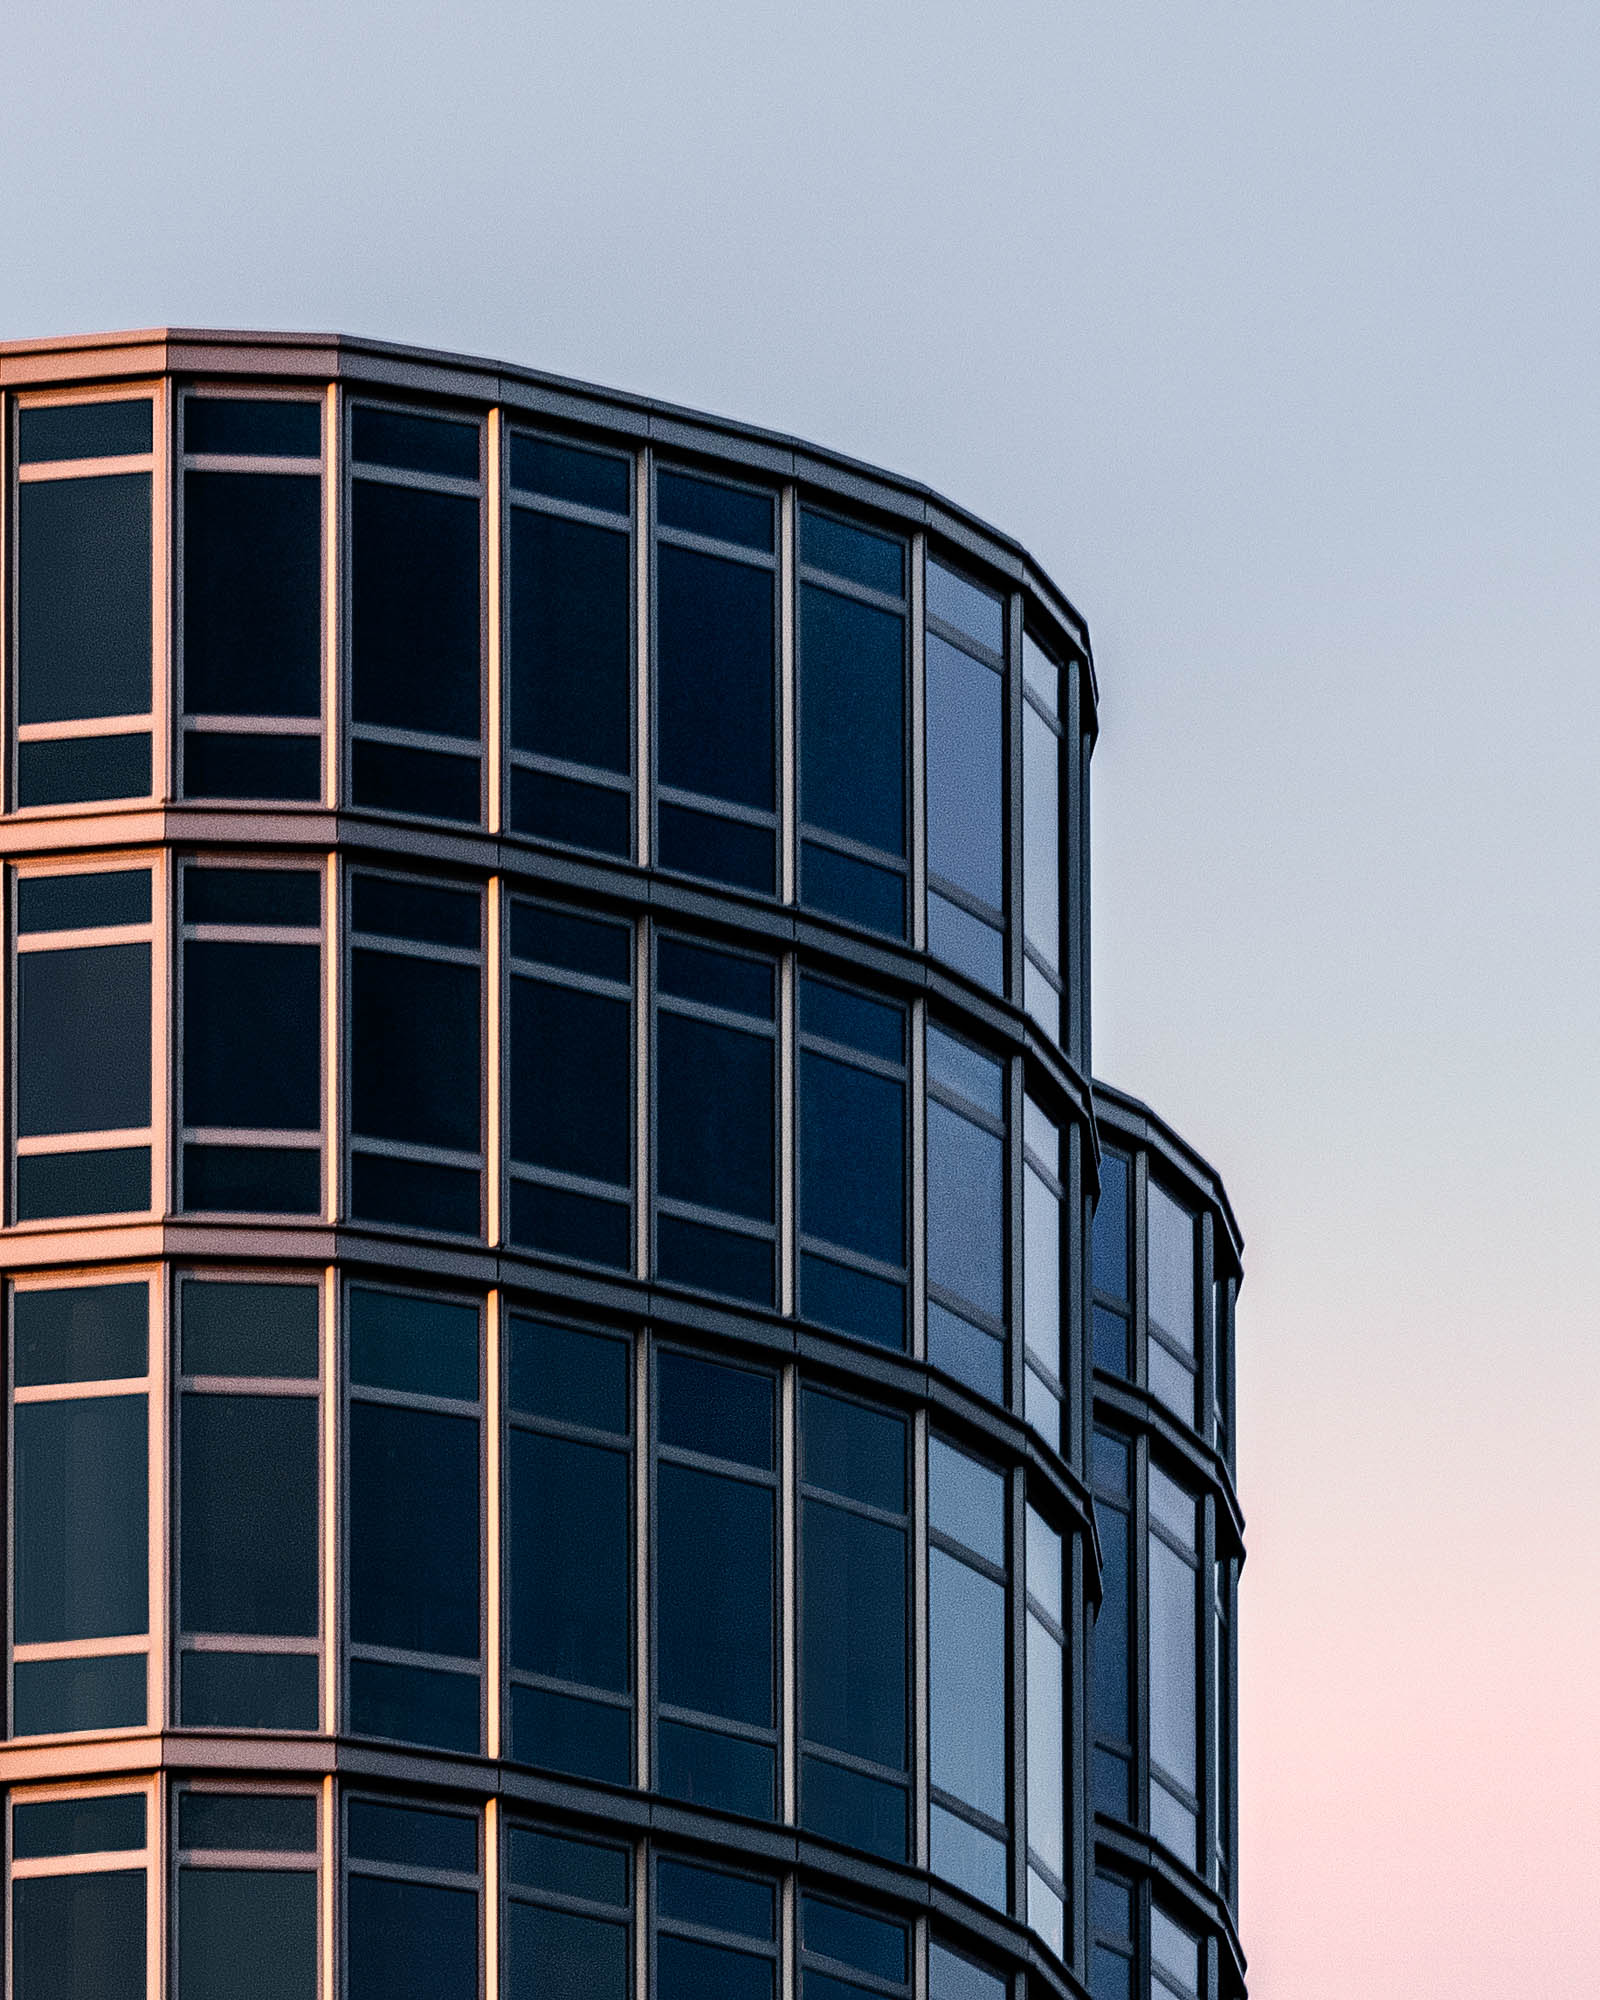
(964, 670)
(966, 1213)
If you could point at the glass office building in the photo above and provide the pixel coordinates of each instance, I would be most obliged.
(598, 1405)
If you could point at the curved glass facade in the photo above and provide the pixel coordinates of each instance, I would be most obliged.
(576, 1427)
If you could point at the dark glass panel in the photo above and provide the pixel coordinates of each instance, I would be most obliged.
(252, 594)
(83, 1026)
(80, 1539)
(568, 472)
(686, 1969)
(1111, 1474)
(720, 1412)
(966, 1352)
(706, 1768)
(106, 1692)
(247, 1934)
(714, 1260)
(1108, 1639)
(563, 1224)
(91, 1825)
(966, 1209)
(715, 631)
(411, 1941)
(218, 766)
(1171, 1269)
(78, 1937)
(570, 1579)
(852, 1157)
(577, 944)
(252, 1180)
(715, 1583)
(1041, 797)
(854, 1451)
(714, 1900)
(79, 1333)
(83, 598)
(248, 1538)
(817, 1985)
(419, 1346)
(266, 896)
(414, 1522)
(416, 1050)
(571, 1081)
(967, 606)
(580, 1868)
(394, 777)
(1112, 1907)
(853, 1660)
(725, 513)
(714, 1116)
(570, 640)
(720, 850)
(558, 1952)
(411, 442)
(416, 1195)
(1110, 1975)
(249, 1690)
(850, 1937)
(83, 768)
(1110, 1240)
(252, 1035)
(83, 902)
(415, 594)
(876, 1027)
(83, 430)
(384, 906)
(853, 1301)
(574, 1377)
(965, 761)
(577, 815)
(851, 552)
(248, 427)
(852, 718)
(415, 1705)
(848, 1806)
(105, 1183)
(562, 1732)
(840, 886)
(715, 978)
(410, 1837)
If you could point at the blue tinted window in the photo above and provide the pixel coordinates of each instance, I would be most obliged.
(420, 1346)
(719, 1412)
(80, 1496)
(412, 442)
(570, 640)
(705, 507)
(875, 561)
(715, 649)
(852, 719)
(83, 430)
(568, 472)
(966, 605)
(251, 427)
(965, 704)
(79, 1333)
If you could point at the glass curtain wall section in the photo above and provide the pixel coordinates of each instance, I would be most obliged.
(84, 1009)
(1222, 1729)
(968, 1662)
(1111, 1953)
(716, 626)
(80, 1506)
(852, 689)
(715, 1586)
(853, 1120)
(85, 602)
(1111, 1717)
(965, 676)
(569, 644)
(251, 1038)
(1174, 1958)
(716, 1110)
(245, 1915)
(1174, 1666)
(251, 597)
(414, 1509)
(572, 1085)
(1043, 741)
(1043, 1206)
(1110, 1242)
(416, 554)
(954, 1976)
(854, 1624)
(716, 1934)
(568, 1917)
(569, 1549)
(846, 1954)
(1174, 1347)
(248, 1611)
(416, 1054)
(966, 1219)
(80, 1895)
(413, 1895)
(1049, 1791)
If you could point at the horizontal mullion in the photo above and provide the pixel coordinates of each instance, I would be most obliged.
(430, 482)
(952, 892)
(417, 739)
(446, 954)
(569, 510)
(536, 1176)
(83, 726)
(563, 767)
(244, 461)
(964, 642)
(974, 1816)
(559, 975)
(883, 1516)
(433, 1156)
(530, 1420)
(67, 1392)
(586, 1690)
(845, 1052)
(856, 850)
(952, 1100)
(708, 545)
(267, 1138)
(270, 1644)
(938, 1539)
(719, 1725)
(842, 586)
(764, 817)
(58, 1143)
(417, 1399)
(401, 1656)
(116, 1646)
(856, 1260)
(108, 1861)
(846, 1760)
(257, 1861)
(700, 1010)
(254, 933)
(42, 471)
(703, 1461)
(400, 1871)
(80, 940)
(717, 1218)
(254, 725)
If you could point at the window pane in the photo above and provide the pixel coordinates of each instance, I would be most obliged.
(853, 1584)
(852, 1938)
(1046, 1747)
(248, 1822)
(954, 1978)
(575, 1377)
(250, 1690)
(1171, 1268)
(252, 1022)
(967, 606)
(964, 723)
(1042, 1271)
(967, 1683)
(415, 608)
(852, 719)
(93, 1824)
(386, 906)
(1041, 836)
(420, 1346)
(1110, 1244)
(81, 1486)
(714, 1116)
(568, 472)
(218, 764)
(411, 1941)
(715, 978)
(570, 1573)
(237, 1329)
(252, 587)
(966, 1501)
(416, 1052)
(852, 1450)
(848, 551)
(248, 1542)
(83, 598)
(121, 429)
(966, 1209)
(852, 1157)
(247, 1934)
(570, 640)
(79, 1937)
(410, 441)
(1108, 1643)
(686, 1969)
(571, 1081)
(714, 649)
(724, 513)
(720, 1412)
(966, 1072)
(79, 1333)
(268, 896)
(414, 1525)
(83, 902)
(83, 1026)
(715, 1585)
(1173, 1684)
(251, 427)
(559, 1952)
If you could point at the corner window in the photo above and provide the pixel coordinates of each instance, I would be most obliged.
(412, 1902)
(251, 1007)
(966, 1142)
(569, 1910)
(83, 1021)
(1174, 1666)
(251, 597)
(716, 583)
(80, 1895)
(1042, 746)
(246, 1917)
(1174, 1356)
(1043, 1204)
(569, 645)
(84, 601)
(852, 690)
(416, 613)
(1113, 1295)
(965, 649)
(80, 1503)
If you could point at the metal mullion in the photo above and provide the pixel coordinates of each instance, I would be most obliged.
(722, 1017)
(788, 1610)
(560, 975)
(258, 1861)
(765, 818)
(333, 1482)
(642, 576)
(709, 545)
(843, 843)
(564, 767)
(964, 900)
(433, 1156)
(69, 728)
(495, 1579)
(788, 701)
(963, 642)
(842, 1052)
(943, 1093)
(855, 1260)
(448, 954)
(494, 1002)
(87, 939)
(252, 725)
(424, 739)
(252, 933)
(565, 510)
(257, 466)
(277, 1645)
(495, 542)
(334, 638)
(844, 586)
(425, 482)
(534, 1175)
(45, 472)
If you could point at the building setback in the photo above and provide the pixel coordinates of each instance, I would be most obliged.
(599, 1406)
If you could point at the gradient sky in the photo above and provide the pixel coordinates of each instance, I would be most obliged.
(1273, 330)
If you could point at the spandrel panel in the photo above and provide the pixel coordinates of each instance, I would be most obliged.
(252, 588)
(83, 598)
(83, 1025)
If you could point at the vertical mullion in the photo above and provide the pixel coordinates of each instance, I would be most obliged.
(922, 1749)
(1012, 704)
(162, 582)
(788, 1135)
(164, 949)
(333, 1483)
(333, 1119)
(158, 1401)
(1017, 1720)
(495, 980)
(643, 1123)
(917, 1174)
(498, 512)
(918, 787)
(333, 636)
(489, 1976)
(644, 680)
(789, 1638)
(1072, 870)
(643, 1428)
(494, 1562)
(327, 1890)
(788, 702)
